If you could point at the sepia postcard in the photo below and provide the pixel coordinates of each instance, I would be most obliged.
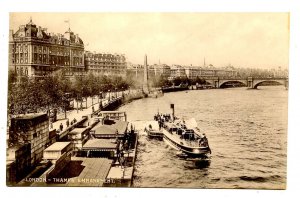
(149, 99)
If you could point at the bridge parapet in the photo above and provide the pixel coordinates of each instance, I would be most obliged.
(255, 82)
(250, 82)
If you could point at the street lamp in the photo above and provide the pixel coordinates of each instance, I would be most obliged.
(108, 95)
(65, 101)
(100, 97)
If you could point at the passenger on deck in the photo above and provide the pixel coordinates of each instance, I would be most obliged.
(125, 136)
(131, 128)
(205, 141)
(61, 127)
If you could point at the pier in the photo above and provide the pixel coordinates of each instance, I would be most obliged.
(87, 151)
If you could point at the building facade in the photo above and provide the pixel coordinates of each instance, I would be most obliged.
(192, 72)
(162, 70)
(78, 137)
(177, 71)
(35, 53)
(105, 63)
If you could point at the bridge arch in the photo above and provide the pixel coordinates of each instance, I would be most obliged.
(223, 82)
(259, 82)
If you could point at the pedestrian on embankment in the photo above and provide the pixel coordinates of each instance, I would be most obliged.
(61, 127)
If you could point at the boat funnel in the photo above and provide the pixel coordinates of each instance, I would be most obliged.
(173, 111)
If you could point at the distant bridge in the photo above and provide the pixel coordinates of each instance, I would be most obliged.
(249, 82)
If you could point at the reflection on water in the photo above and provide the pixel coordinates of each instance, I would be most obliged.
(246, 129)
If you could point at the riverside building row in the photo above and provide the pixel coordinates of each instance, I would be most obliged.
(34, 52)
(178, 71)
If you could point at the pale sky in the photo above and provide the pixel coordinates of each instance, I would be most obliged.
(258, 40)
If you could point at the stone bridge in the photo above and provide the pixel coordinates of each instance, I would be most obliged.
(249, 82)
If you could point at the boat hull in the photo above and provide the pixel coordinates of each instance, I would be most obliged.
(154, 134)
(173, 89)
(189, 151)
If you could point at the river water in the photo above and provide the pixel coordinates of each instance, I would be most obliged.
(246, 129)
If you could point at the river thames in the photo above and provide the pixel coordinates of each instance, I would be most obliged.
(246, 129)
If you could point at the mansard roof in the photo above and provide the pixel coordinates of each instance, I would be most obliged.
(31, 30)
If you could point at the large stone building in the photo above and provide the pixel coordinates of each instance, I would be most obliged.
(105, 63)
(192, 72)
(34, 52)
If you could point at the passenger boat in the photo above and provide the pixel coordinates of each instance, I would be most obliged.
(153, 131)
(200, 86)
(184, 136)
(174, 88)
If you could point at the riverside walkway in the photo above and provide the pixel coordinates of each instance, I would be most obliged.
(77, 114)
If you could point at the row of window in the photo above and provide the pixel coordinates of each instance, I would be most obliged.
(105, 59)
(109, 72)
(105, 64)
(22, 71)
(45, 60)
(19, 48)
(107, 68)
(20, 61)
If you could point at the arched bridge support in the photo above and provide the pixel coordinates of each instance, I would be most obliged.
(253, 83)
(250, 82)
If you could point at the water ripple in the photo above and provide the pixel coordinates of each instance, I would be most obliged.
(247, 131)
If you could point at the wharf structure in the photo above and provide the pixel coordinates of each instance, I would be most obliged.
(99, 145)
(28, 136)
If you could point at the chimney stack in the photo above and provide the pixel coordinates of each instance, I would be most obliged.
(11, 35)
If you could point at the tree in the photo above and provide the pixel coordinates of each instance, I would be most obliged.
(92, 85)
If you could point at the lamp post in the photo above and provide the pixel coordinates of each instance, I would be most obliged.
(116, 92)
(65, 101)
(108, 95)
(100, 103)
